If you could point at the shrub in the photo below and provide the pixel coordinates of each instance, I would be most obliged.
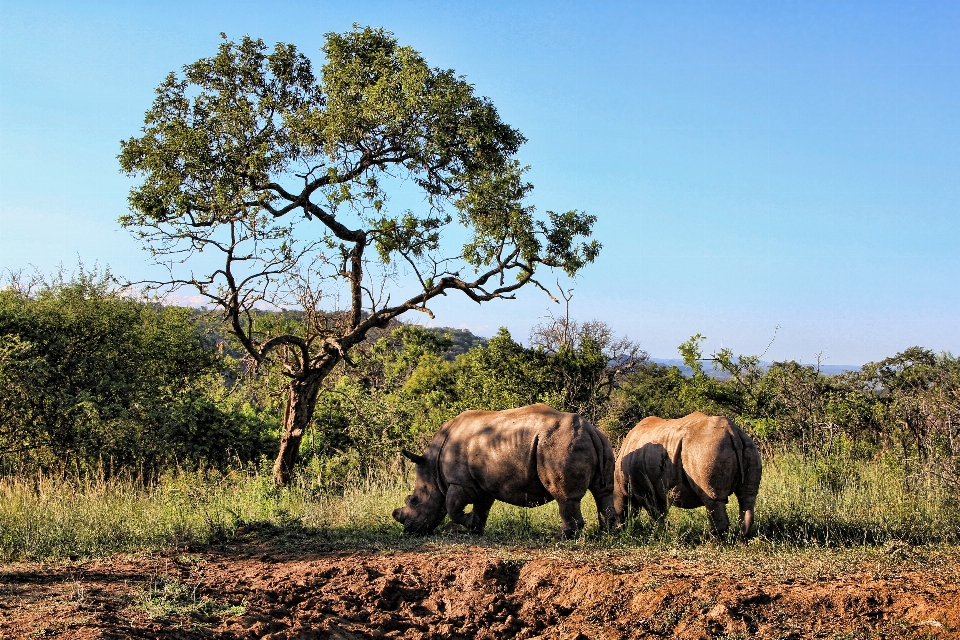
(89, 375)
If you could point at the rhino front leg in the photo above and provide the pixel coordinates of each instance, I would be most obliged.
(620, 502)
(629, 499)
(481, 509)
(651, 496)
(457, 500)
(571, 517)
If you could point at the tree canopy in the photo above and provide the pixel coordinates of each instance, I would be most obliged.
(288, 178)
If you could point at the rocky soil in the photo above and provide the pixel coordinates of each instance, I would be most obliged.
(462, 591)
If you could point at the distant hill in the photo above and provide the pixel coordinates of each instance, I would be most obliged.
(215, 333)
(825, 369)
(463, 340)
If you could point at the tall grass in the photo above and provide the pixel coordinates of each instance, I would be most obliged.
(834, 502)
(840, 501)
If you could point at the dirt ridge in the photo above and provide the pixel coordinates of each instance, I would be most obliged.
(472, 592)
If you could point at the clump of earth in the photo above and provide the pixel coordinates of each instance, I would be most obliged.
(461, 591)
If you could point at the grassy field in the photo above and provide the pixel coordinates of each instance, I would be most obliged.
(802, 504)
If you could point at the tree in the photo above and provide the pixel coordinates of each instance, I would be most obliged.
(588, 357)
(286, 176)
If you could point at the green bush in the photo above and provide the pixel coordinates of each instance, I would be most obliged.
(90, 377)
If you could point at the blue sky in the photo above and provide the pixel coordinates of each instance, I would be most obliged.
(751, 164)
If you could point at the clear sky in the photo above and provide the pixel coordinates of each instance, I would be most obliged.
(752, 164)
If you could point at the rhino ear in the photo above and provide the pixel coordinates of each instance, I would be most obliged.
(414, 457)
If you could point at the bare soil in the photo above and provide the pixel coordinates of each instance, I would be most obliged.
(442, 590)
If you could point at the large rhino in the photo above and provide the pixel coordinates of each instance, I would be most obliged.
(690, 462)
(525, 457)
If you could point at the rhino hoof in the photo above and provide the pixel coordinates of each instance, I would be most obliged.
(453, 527)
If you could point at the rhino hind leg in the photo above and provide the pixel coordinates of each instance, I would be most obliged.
(571, 517)
(606, 513)
(719, 522)
(746, 504)
(602, 492)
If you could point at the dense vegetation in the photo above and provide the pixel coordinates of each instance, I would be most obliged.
(137, 404)
(92, 378)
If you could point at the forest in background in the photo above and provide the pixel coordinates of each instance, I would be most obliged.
(91, 378)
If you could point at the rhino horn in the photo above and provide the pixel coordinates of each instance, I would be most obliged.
(413, 457)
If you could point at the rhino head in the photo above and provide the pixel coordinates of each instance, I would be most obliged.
(425, 508)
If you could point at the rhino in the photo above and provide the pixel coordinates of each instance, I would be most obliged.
(524, 457)
(690, 462)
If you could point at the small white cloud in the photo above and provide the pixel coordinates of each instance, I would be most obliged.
(184, 300)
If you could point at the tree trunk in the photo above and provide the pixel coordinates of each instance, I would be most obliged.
(301, 400)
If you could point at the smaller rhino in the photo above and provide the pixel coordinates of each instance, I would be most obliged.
(524, 457)
(689, 462)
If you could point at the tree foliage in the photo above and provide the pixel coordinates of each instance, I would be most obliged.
(288, 177)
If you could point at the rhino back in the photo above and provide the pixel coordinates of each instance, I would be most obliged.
(496, 452)
(707, 452)
(572, 456)
(526, 456)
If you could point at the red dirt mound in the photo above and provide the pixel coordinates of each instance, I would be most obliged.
(472, 592)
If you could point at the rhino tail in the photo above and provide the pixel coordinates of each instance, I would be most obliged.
(604, 453)
(738, 448)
